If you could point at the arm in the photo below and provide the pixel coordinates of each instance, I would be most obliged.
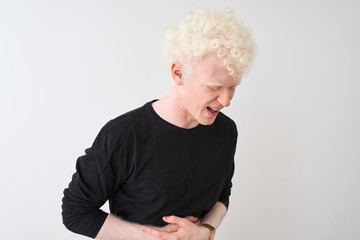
(215, 215)
(190, 230)
(96, 177)
(115, 228)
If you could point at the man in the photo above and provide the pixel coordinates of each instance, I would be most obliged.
(166, 167)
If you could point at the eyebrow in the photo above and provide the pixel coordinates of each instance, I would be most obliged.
(212, 84)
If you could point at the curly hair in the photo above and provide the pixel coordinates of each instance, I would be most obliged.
(207, 31)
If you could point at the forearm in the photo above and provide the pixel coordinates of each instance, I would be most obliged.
(115, 228)
(215, 215)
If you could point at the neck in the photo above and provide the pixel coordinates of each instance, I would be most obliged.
(170, 109)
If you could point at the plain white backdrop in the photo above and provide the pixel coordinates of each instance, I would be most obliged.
(67, 67)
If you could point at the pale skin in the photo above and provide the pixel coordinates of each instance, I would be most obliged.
(193, 99)
(186, 104)
(188, 228)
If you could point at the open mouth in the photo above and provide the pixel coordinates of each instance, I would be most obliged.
(212, 110)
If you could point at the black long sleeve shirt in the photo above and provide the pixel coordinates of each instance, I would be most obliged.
(148, 168)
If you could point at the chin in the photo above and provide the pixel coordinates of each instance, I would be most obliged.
(207, 122)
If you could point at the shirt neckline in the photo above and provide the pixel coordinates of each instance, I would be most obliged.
(167, 124)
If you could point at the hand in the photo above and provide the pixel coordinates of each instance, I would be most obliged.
(180, 228)
(173, 227)
(195, 220)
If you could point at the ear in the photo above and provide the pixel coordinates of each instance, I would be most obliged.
(177, 73)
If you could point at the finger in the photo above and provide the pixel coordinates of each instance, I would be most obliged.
(157, 233)
(176, 220)
(192, 218)
(169, 228)
(166, 228)
(198, 222)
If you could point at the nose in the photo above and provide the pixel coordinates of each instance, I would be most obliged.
(225, 98)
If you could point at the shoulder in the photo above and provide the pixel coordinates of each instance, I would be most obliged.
(127, 118)
(128, 123)
(225, 128)
(226, 122)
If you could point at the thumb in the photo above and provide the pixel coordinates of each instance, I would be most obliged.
(175, 220)
(192, 219)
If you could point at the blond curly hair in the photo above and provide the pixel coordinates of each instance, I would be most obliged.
(208, 31)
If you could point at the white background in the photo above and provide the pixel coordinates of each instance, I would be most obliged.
(67, 67)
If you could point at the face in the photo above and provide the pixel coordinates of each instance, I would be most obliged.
(208, 90)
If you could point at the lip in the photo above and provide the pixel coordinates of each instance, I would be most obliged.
(216, 108)
(212, 110)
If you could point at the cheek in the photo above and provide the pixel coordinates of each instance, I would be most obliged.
(232, 93)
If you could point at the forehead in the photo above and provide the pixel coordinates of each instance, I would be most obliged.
(210, 65)
(212, 72)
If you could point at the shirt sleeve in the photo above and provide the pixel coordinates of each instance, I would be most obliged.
(226, 192)
(92, 184)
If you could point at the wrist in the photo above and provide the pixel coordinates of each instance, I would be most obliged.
(210, 230)
(205, 233)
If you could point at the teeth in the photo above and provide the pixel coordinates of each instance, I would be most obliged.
(213, 109)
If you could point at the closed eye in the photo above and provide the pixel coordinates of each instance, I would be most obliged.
(214, 88)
